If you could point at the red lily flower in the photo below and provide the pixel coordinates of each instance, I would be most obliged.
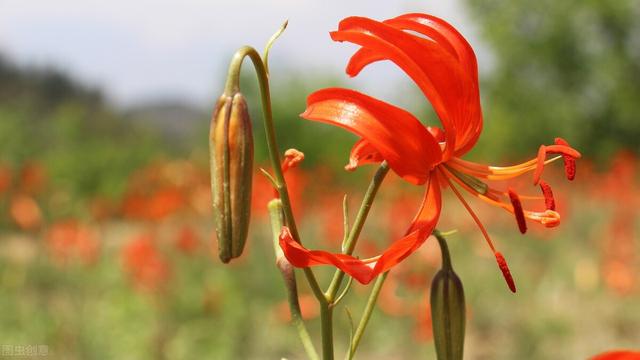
(618, 355)
(443, 65)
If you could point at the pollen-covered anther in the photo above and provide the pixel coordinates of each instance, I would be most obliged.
(517, 211)
(549, 201)
(569, 161)
(292, 158)
(506, 273)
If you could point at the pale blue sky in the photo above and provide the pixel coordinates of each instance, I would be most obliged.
(143, 49)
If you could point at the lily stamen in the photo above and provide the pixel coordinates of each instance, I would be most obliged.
(497, 172)
(569, 162)
(517, 211)
(502, 263)
(549, 201)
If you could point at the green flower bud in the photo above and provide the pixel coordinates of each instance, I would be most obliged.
(447, 309)
(231, 161)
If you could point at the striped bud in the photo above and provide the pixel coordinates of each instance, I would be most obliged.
(231, 161)
(448, 314)
(447, 308)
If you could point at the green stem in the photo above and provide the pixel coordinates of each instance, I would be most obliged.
(286, 270)
(354, 234)
(366, 315)
(326, 316)
(232, 86)
(446, 259)
(326, 312)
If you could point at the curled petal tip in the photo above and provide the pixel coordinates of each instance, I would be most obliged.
(292, 158)
(351, 166)
(334, 35)
(306, 113)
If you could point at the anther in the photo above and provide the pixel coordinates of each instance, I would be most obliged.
(542, 155)
(506, 273)
(569, 161)
(549, 201)
(517, 211)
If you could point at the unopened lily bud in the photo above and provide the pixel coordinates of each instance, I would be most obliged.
(448, 315)
(231, 161)
(447, 308)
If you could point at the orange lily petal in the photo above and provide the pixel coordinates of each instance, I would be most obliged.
(366, 270)
(396, 134)
(438, 64)
(363, 153)
(468, 129)
(435, 70)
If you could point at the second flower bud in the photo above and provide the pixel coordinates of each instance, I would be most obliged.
(231, 160)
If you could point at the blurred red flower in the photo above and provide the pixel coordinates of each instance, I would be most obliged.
(25, 212)
(443, 65)
(145, 264)
(187, 240)
(69, 240)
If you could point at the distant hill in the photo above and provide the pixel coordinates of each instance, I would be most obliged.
(174, 119)
(45, 86)
(43, 89)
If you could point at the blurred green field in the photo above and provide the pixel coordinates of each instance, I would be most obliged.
(107, 246)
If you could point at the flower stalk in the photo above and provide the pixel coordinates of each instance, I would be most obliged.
(366, 315)
(288, 275)
(349, 245)
(233, 85)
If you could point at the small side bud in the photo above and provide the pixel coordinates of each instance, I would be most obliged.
(447, 308)
(231, 162)
(448, 314)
